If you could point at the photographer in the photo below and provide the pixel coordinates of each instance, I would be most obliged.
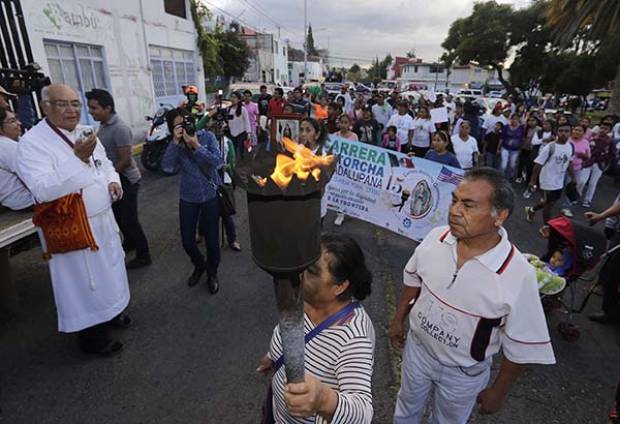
(199, 159)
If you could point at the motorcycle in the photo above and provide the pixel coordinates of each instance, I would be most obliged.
(157, 139)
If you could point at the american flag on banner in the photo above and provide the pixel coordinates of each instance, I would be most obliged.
(448, 176)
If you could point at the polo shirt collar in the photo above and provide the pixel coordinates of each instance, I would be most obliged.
(110, 121)
(495, 259)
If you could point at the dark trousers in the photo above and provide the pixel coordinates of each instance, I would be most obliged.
(229, 226)
(126, 214)
(609, 277)
(206, 217)
(238, 143)
(419, 152)
(526, 163)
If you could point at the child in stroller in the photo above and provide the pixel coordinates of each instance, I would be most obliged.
(577, 248)
(550, 275)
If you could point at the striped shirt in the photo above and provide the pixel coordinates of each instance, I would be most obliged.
(342, 358)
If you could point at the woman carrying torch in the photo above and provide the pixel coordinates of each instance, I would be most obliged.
(340, 353)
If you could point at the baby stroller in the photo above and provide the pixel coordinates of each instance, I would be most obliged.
(587, 246)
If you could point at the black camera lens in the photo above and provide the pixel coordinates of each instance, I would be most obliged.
(189, 125)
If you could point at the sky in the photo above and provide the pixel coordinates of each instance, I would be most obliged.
(355, 31)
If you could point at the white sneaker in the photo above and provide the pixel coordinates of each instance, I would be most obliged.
(567, 213)
(339, 219)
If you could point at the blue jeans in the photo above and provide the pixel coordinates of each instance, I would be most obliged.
(208, 213)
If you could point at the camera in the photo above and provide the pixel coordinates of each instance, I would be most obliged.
(189, 125)
(24, 81)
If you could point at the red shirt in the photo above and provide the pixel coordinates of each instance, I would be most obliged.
(276, 107)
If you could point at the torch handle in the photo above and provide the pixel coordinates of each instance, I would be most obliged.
(289, 296)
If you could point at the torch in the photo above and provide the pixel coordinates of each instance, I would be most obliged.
(284, 212)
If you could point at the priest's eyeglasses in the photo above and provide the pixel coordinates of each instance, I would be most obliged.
(65, 104)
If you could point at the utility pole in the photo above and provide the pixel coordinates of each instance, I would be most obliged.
(305, 40)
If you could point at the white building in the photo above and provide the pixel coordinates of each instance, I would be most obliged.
(431, 75)
(469, 76)
(141, 51)
(269, 63)
(296, 72)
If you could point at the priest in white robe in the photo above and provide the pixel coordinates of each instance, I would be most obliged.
(90, 287)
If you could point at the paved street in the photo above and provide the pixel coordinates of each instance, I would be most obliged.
(190, 356)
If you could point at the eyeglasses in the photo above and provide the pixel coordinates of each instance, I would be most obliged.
(65, 104)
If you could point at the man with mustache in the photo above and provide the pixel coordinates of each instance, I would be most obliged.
(468, 293)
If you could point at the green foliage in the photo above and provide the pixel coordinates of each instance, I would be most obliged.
(223, 52)
(483, 37)
(234, 54)
(310, 43)
(208, 43)
(378, 70)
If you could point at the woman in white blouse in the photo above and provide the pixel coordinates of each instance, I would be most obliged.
(465, 147)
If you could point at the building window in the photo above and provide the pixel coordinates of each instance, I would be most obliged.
(171, 70)
(277, 75)
(80, 66)
(415, 69)
(176, 8)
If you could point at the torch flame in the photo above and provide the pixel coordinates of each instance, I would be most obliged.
(303, 164)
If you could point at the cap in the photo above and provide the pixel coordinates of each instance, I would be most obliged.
(6, 93)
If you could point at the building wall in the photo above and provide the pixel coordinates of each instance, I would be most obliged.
(315, 71)
(124, 37)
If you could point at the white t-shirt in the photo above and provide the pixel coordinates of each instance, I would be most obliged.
(554, 169)
(537, 141)
(465, 316)
(403, 124)
(490, 122)
(422, 130)
(464, 150)
(382, 113)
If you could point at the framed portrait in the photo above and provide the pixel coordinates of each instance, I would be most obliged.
(286, 125)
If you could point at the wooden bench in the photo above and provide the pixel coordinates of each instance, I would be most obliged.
(16, 234)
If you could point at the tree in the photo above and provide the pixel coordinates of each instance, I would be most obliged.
(355, 68)
(411, 54)
(207, 43)
(378, 70)
(234, 54)
(601, 18)
(533, 49)
(483, 37)
(311, 49)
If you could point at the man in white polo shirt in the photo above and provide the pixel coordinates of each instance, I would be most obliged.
(473, 293)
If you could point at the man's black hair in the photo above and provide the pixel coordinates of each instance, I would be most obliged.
(102, 97)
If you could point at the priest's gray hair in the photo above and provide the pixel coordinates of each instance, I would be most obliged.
(503, 197)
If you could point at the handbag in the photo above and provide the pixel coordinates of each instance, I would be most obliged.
(268, 417)
(65, 225)
(225, 197)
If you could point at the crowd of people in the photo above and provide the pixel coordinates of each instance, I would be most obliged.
(458, 319)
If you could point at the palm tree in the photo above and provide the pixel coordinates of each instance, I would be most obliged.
(601, 17)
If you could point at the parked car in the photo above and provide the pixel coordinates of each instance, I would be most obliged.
(362, 89)
(467, 92)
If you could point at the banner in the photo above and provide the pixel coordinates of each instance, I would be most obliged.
(409, 196)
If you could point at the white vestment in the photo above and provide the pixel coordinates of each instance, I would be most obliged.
(90, 287)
